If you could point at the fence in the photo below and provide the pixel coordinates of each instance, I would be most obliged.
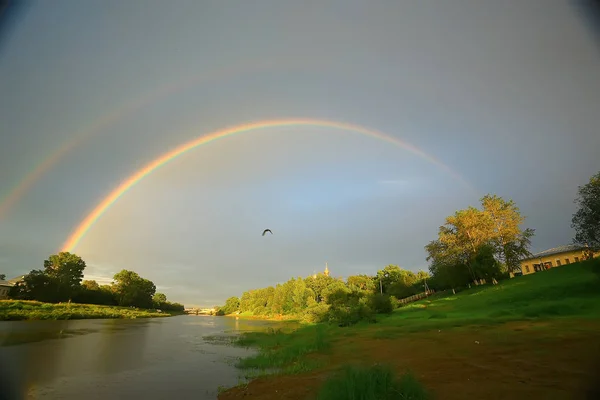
(416, 297)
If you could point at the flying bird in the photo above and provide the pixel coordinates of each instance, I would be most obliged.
(267, 230)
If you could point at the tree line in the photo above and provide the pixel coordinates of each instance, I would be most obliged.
(320, 297)
(473, 246)
(61, 280)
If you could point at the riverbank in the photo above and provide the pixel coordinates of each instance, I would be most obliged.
(510, 340)
(16, 310)
(276, 318)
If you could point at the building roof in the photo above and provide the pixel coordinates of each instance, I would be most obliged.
(5, 283)
(555, 250)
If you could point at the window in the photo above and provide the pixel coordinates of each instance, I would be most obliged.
(558, 264)
(527, 268)
(576, 259)
(567, 261)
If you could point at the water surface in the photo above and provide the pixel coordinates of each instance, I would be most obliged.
(122, 359)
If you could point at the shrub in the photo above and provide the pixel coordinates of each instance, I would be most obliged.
(350, 315)
(377, 382)
(381, 303)
(316, 313)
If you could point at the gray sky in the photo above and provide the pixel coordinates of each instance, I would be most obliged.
(507, 94)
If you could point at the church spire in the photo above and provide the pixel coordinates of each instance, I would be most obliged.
(326, 272)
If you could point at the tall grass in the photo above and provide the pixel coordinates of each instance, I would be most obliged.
(15, 310)
(281, 352)
(378, 382)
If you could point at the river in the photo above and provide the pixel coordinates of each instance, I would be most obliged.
(158, 358)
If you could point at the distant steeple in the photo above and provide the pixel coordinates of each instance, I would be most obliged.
(326, 272)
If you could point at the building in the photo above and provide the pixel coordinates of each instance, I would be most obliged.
(6, 285)
(554, 257)
(325, 272)
(4, 289)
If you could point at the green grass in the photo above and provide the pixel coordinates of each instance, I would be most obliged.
(15, 310)
(568, 291)
(281, 352)
(378, 382)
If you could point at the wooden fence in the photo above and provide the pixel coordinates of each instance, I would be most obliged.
(416, 297)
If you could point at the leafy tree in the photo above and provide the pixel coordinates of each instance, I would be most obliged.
(36, 285)
(90, 285)
(232, 305)
(159, 298)
(66, 270)
(318, 284)
(362, 283)
(2, 277)
(464, 233)
(509, 242)
(586, 220)
(485, 264)
(133, 290)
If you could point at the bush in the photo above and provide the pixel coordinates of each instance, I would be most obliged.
(377, 382)
(381, 303)
(316, 313)
(350, 315)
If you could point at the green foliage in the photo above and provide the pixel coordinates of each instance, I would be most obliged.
(496, 228)
(61, 280)
(484, 265)
(2, 277)
(133, 290)
(571, 290)
(14, 310)
(281, 352)
(231, 305)
(586, 220)
(159, 298)
(323, 298)
(382, 304)
(317, 312)
(377, 382)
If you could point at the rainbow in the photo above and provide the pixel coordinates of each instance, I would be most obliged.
(13, 195)
(85, 225)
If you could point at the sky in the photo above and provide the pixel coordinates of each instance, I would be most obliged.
(505, 94)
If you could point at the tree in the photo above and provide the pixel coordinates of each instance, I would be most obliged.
(232, 305)
(509, 242)
(2, 277)
(66, 270)
(461, 238)
(133, 290)
(586, 220)
(90, 285)
(485, 264)
(362, 283)
(159, 298)
(36, 285)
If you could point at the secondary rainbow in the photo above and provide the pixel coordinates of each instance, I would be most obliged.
(17, 192)
(85, 225)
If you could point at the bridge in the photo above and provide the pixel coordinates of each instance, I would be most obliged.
(200, 311)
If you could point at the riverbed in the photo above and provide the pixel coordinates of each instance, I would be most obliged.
(158, 358)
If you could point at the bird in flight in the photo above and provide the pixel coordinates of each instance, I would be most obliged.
(267, 230)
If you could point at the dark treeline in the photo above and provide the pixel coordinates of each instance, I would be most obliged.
(61, 280)
(474, 246)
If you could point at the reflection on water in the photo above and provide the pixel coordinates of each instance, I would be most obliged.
(100, 359)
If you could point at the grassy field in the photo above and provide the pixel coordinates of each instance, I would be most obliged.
(14, 310)
(534, 336)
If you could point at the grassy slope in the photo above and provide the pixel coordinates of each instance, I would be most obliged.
(554, 304)
(12, 310)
